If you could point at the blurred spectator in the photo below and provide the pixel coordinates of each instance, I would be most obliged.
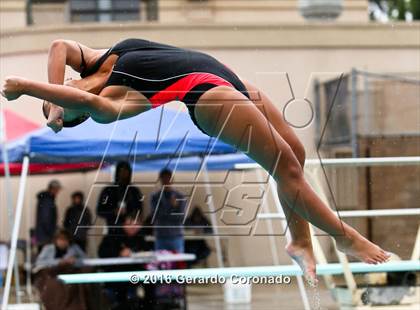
(126, 240)
(61, 252)
(62, 257)
(123, 242)
(46, 214)
(168, 207)
(121, 198)
(78, 215)
(199, 224)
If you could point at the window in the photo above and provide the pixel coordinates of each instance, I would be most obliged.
(104, 10)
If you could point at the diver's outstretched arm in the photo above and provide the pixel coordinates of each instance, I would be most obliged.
(114, 103)
(102, 109)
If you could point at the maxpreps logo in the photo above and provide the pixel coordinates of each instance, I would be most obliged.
(231, 198)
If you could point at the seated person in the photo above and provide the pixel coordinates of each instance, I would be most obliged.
(126, 240)
(62, 256)
(123, 242)
(199, 225)
(61, 252)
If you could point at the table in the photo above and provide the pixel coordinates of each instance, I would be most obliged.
(156, 257)
(210, 237)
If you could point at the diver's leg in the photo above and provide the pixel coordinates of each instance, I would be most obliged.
(300, 247)
(237, 121)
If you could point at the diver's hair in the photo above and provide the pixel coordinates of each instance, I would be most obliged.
(75, 122)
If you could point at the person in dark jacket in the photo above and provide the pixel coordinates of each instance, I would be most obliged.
(122, 198)
(123, 242)
(199, 225)
(78, 215)
(46, 214)
(168, 207)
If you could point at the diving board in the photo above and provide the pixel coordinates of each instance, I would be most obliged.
(357, 213)
(257, 271)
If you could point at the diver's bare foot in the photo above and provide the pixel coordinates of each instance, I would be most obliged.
(356, 245)
(303, 255)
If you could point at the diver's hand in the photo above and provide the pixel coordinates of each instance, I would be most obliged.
(13, 87)
(55, 118)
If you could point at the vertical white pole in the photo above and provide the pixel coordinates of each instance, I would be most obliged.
(212, 215)
(15, 232)
(416, 248)
(301, 284)
(6, 167)
(8, 192)
(28, 243)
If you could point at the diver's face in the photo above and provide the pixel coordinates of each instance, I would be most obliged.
(69, 114)
(70, 117)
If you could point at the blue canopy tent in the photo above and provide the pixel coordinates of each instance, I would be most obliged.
(159, 133)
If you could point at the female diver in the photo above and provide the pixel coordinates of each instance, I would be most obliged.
(137, 75)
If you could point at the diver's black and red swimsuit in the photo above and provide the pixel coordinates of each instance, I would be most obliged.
(164, 73)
